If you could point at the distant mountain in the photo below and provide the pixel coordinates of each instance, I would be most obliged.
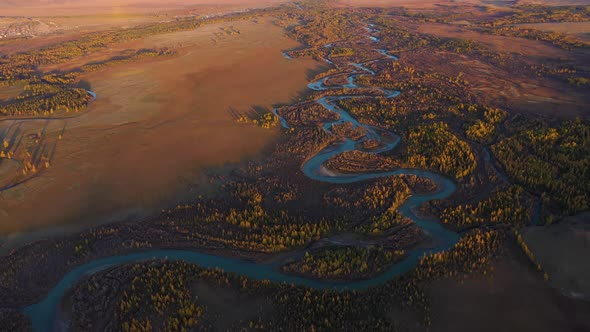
(37, 3)
(15, 4)
(556, 2)
(388, 3)
(40, 8)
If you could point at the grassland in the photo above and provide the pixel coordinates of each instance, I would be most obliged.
(464, 180)
(150, 114)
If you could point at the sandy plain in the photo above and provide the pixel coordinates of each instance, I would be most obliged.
(144, 142)
(85, 7)
(513, 298)
(580, 29)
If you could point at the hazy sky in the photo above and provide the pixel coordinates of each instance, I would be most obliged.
(84, 7)
(126, 2)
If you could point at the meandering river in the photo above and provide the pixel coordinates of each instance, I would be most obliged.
(43, 314)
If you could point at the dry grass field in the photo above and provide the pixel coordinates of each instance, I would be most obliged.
(538, 96)
(560, 249)
(26, 25)
(392, 3)
(499, 43)
(580, 29)
(423, 168)
(514, 298)
(168, 117)
(86, 7)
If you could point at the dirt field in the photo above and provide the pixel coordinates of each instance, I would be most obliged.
(156, 125)
(580, 29)
(563, 250)
(499, 43)
(564, 27)
(555, 2)
(426, 3)
(514, 299)
(26, 25)
(392, 3)
(226, 307)
(548, 98)
(84, 7)
(10, 91)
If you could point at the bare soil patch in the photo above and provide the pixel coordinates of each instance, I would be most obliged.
(563, 250)
(8, 169)
(145, 140)
(10, 91)
(226, 308)
(522, 46)
(548, 98)
(515, 298)
(392, 3)
(84, 7)
(580, 29)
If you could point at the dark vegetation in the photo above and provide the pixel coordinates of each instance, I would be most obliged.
(153, 285)
(553, 162)
(508, 25)
(506, 206)
(345, 262)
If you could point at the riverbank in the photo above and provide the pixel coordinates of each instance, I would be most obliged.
(44, 312)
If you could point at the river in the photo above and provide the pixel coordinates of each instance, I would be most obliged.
(43, 314)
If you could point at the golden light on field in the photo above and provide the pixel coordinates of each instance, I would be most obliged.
(141, 95)
(305, 165)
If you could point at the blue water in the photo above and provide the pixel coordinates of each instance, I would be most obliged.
(287, 56)
(363, 68)
(43, 314)
(91, 93)
(284, 123)
(386, 54)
